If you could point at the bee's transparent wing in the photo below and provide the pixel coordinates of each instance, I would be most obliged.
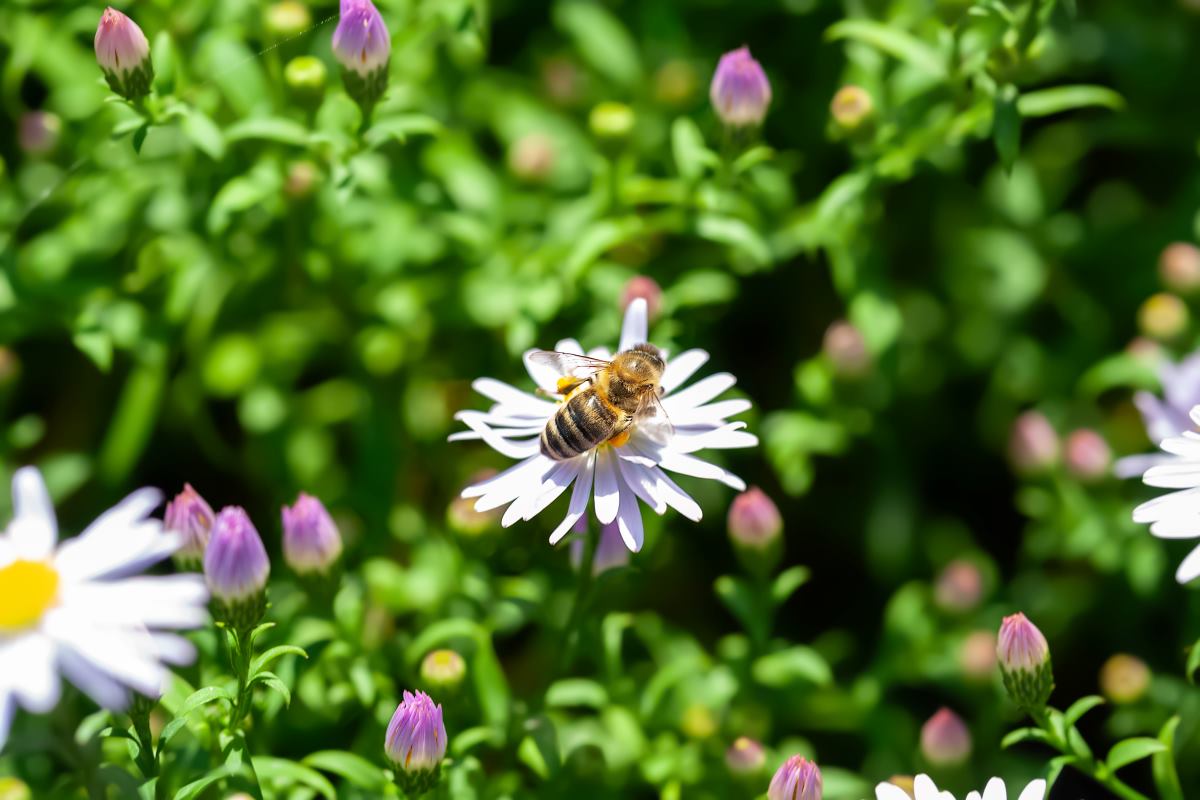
(569, 365)
(652, 419)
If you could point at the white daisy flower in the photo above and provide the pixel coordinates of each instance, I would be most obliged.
(618, 476)
(81, 609)
(1166, 416)
(1176, 515)
(924, 789)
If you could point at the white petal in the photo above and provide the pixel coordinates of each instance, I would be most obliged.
(569, 345)
(27, 664)
(1195, 415)
(92, 681)
(1177, 528)
(1186, 446)
(514, 399)
(995, 790)
(505, 482)
(690, 465)
(495, 439)
(973, 796)
(634, 329)
(697, 394)
(640, 479)
(125, 514)
(682, 367)
(555, 483)
(727, 437)
(608, 494)
(890, 791)
(546, 377)
(1036, 790)
(711, 414)
(676, 498)
(602, 353)
(33, 529)
(8, 707)
(924, 787)
(1176, 474)
(151, 601)
(173, 649)
(579, 499)
(123, 654)
(1174, 504)
(1136, 466)
(114, 552)
(629, 520)
(1189, 570)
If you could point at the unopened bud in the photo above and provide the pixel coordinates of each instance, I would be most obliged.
(1163, 316)
(1124, 678)
(797, 779)
(945, 740)
(363, 46)
(611, 121)
(740, 92)
(745, 757)
(1087, 456)
(851, 107)
(416, 743)
(312, 543)
(123, 54)
(1032, 443)
(846, 350)
(286, 19)
(1024, 658)
(1179, 267)
(977, 655)
(698, 721)
(443, 669)
(461, 515)
(301, 180)
(236, 568)
(531, 157)
(959, 587)
(189, 516)
(305, 78)
(675, 82)
(38, 132)
(647, 289)
(756, 530)
(563, 80)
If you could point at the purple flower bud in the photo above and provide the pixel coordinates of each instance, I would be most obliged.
(846, 350)
(1032, 443)
(1179, 267)
(945, 740)
(797, 779)
(311, 542)
(416, 742)
(740, 92)
(236, 569)
(1024, 658)
(959, 587)
(363, 46)
(123, 54)
(443, 669)
(1088, 456)
(754, 520)
(38, 132)
(192, 518)
(745, 756)
(645, 288)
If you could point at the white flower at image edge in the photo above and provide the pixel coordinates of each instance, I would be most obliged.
(1176, 515)
(80, 609)
(617, 476)
(925, 789)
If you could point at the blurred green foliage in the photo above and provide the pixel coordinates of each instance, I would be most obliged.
(261, 292)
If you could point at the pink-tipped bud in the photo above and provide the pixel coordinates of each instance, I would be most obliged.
(123, 53)
(236, 569)
(416, 743)
(1124, 678)
(1032, 443)
(531, 157)
(851, 107)
(959, 587)
(745, 757)
(363, 46)
(189, 516)
(1179, 267)
(945, 740)
(740, 91)
(977, 655)
(1163, 316)
(38, 132)
(846, 350)
(756, 530)
(645, 288)
(797, 779)
(1087, 456)
(311, 541)
(1024, 657)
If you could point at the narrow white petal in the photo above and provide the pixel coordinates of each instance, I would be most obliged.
(1036, 790)
(629, 520)
(33, 529)
(93, 681)
(1195, 415)
(727, 437)
(973, 796)
(511, 397)
(115, 553)
(129, 512)
(499, 480)
(1189, 569)
(675, 497)
(27, 664)
(697, 394)
(506, 425)
(569, 345)
(579, 498)
(890, 791)
(995, 790)
(1136, 466)
(151, 601)
(634, 329)
(555, 483)
(640, 479)
(690, 465)
(1174, 475)
(8, 707)
(173, 649)
(602, 353)
(682, 367)
(496, 440)
(546, 377)
(123, 654)
(521, 483)
(1175, 504)
(608, 494)
(711, 414)
(924, 787)
(1186, 446)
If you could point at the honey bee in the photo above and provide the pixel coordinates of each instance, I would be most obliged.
(602, 398)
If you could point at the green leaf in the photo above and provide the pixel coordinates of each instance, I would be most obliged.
(692, 156)
(272, 681)
(1166, 778)
(354, 768)
(798, 663)
(139, 137)
(471, 738)
(196, 787)
(1193, 663)
(204, 133)
(760, 154)
(1023, 734)
(787, 582)
(738, 596)
(576, 692)
(1081, 707)
(1044, 102)
(400, 127)
(283, 770)
(271, 129)
(1131, 750)
(735, 233)
(893, 41)
(149, 790)
(1006, 126)
(601, 39)
(265, 659)
(96, 345)
(1057, 765)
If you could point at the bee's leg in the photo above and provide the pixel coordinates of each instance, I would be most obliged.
(567, 383)
(621, 438)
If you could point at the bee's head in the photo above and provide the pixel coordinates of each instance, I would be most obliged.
(642, 364)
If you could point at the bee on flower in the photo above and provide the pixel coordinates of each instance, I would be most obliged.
(612, 427)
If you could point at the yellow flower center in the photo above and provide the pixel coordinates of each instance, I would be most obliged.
(27, 589)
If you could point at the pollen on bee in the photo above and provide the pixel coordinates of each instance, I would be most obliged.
(620, 439)
(565, 384)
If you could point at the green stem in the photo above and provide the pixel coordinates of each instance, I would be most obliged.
(1089, 765)
(571, 633)
(240, 652)
(147, 760)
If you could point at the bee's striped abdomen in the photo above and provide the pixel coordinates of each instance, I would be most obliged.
(580, 424)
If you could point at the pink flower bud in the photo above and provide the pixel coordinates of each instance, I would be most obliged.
(745, 756)
(236, 568)
(1087, 455)
(740, 91)
(1024, 658)
(977, 655)
(797, 779)
(846, 349)
(192, 518)
(754, 520)
(851, 107)
(645, 288)
(311, 541)
(416, 742)
(363, 46)
(38, 132)
(959, 587)
(123, 53)
(1179, 267)
(1032, 444)
(531, 157)
(945, 740)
